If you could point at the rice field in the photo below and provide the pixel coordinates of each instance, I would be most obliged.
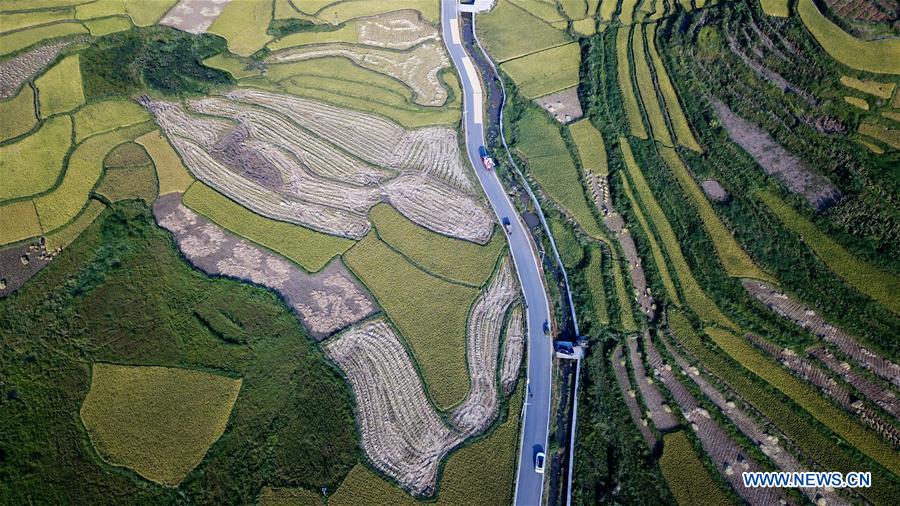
(18, 221)
(680, 126)
(876, 56)
(157, 421)
(456, 260)
(32, 164)
(59, 89)
(243, 24)
(687, 477)
(591, 149)
(129, 183)
(647, 89)
(626, 88)
(501, 32)
(857, 102)
(594, 279)
(779, 8)
(105, 26)
(433, 327)
(881, 286)
(626, 310)
(18, 115)
(888, 136)
(148, 13)
(546, 71)
(12, 42)
(62, 237)
(694, 296)
(806, 397)
(309, 249)
(736, 261)
(339, 12)
(18, 20)
(549, 162)
(85, 166)
(171, 173)
(101, 117)
(875, 88)
(99, 9)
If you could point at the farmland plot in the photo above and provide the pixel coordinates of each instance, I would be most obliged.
(479, 409)
(418, 68)
(18, 114)
(325, 302)
(387, 387)
(193, 16)
(59, 89)
(14, 41)
(657, 409)
(396, 30)
(513, 349)
(630, 396)
(20, 68)
(32, 164)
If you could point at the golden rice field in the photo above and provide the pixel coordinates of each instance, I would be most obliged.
(18, 221)
(591, 149)
(876, 88)
(687, 477)
(18, 114)
(32, 164)
(171, 173)
(62, 237)
(626, 88)
(59, 88)
(101, 117)
(156, 421)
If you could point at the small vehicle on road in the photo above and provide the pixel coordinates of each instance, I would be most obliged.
(539, 462)
(486, 158)
(546, 327)
(506, 225)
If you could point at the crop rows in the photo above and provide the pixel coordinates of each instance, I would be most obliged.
(513, 350)
(646, 88)
(767, 442)
(418, 68)
(883, 397)
(626, 87)
(729, 458)
(628, 393)
(20, 68)
(387, 388)
(659, 412)
(479, 409)
(32, 164)
(59, 89)
(807, 318)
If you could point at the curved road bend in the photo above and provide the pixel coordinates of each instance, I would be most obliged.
(536, 415)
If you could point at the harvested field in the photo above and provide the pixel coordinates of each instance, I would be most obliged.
(20, 68)
(626, 88)
(591, 148)
(12, 42)
(396, 30)
(19, 263)
(680, 125)
(777, 161)
(325, 302)
(158, 421)
(434, 327)
(882, 286)
(863, 10)
(100, 117)
(685, 474)
(657, 409)
(479, 410)
(513, 350)
(18, 221)
(501, 29)
(628, 393)
(387, 387)
(729, 458)
(194, 16)
(876, 88)
(59, 89)
(62, 237)
(807, 318)
(172, 175)
(888, 136)
(129, 183)
(564, 105)
(32, 164)
(546, 71)
(879, 395)
(644, 77)
(418, 68)
(18, 114)
(450, 258)
(127, 155)
(766, 439)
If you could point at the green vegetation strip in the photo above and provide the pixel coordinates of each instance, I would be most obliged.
(32, 164)
(308, 248)
(868, 279)
(447, 257)
(736, 261)
(819, 446)
(679, 121)
(877, 56)
(591, 149)
(694, 296)
(549, 162)
(434, 327)
(647, 89)
(623, 72)
(687, 477)
(594, 278)
(626, 310)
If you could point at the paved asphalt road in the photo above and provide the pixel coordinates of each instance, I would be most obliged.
(529, 484)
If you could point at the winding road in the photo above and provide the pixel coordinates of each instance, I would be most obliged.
(536, 415)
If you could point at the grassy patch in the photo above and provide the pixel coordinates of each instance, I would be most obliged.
(129, 183)
(18, 114)
(571, 252)
(545, 72)
(32, 164)
(502, 28)
(549, 162)
(63, 237)
(172, 175)
(778, 8)
(308, 248)
(647, 89)
(244, 25)
(685, 474)
(877, 56)
(868, 279)
(626, 88)
(15, 41)
(85, 166)
(481, 473)
(876, 88)
(694, 296)
(680, 125)
(107, 115)
(18, 221)
(447, 257)
(59, 89)
(591, 149)
(434, 327)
